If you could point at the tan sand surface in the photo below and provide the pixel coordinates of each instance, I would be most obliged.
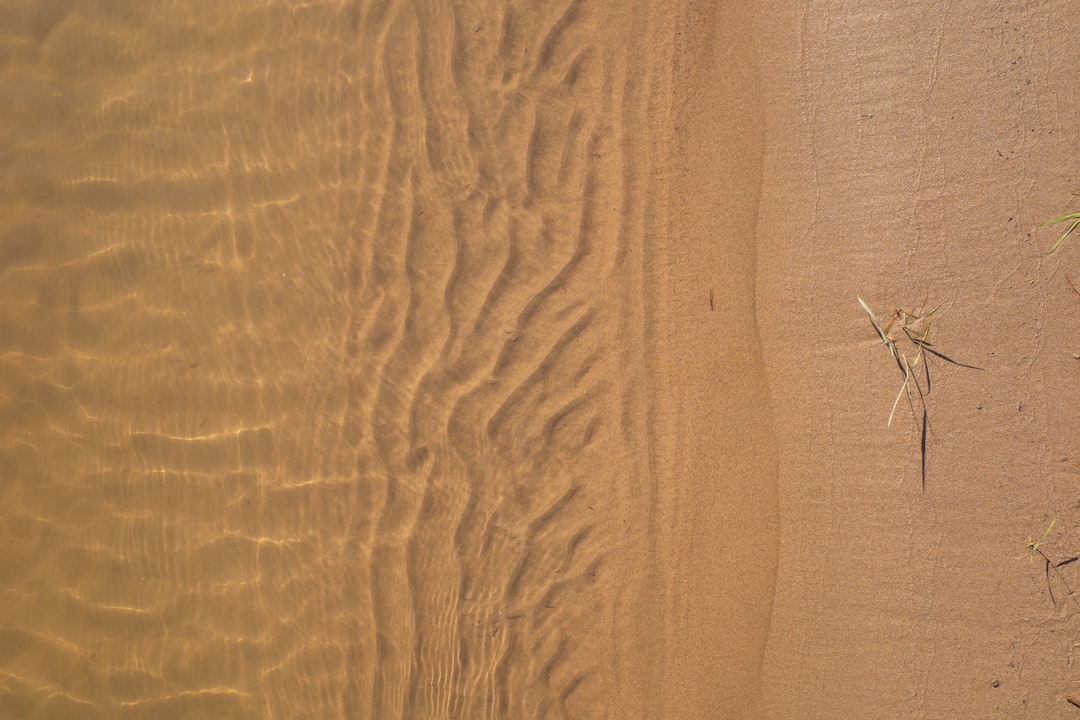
(717, 453)
(911, 149)
(471, 359)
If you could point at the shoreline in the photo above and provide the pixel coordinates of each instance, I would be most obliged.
(718, 448)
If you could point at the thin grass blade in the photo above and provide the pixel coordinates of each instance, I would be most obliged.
(927, 427)
(910, 400)
(897, 400)
(948, 359)
(1046, 533)
(1063, 218)
(925, 422)
(873, 320)
(1067, 232)
(926, 367)
(896, 356)
(1049, 585)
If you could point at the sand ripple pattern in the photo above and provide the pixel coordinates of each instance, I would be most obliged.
(322, 358)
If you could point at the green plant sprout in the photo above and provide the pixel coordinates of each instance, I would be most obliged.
(1034, 545)
(1035, 548)
(915, 326)
(1074, 217)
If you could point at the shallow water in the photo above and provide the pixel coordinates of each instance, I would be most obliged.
(322, 340)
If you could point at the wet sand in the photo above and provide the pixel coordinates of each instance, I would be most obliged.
(502, 360)
(717, 447)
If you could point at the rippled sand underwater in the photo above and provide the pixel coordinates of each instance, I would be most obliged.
(322, 340)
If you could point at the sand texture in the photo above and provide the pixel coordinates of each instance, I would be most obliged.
(502, 359)
(324, 368)
(911, 150)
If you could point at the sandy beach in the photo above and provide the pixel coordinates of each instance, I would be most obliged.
(464, 359)
(911, 152)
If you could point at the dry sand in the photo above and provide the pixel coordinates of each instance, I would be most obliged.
(442, 359)
(911, 149)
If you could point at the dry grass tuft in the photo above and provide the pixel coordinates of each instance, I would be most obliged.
(912, 359)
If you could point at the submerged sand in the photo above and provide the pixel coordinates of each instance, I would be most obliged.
(503, 360)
